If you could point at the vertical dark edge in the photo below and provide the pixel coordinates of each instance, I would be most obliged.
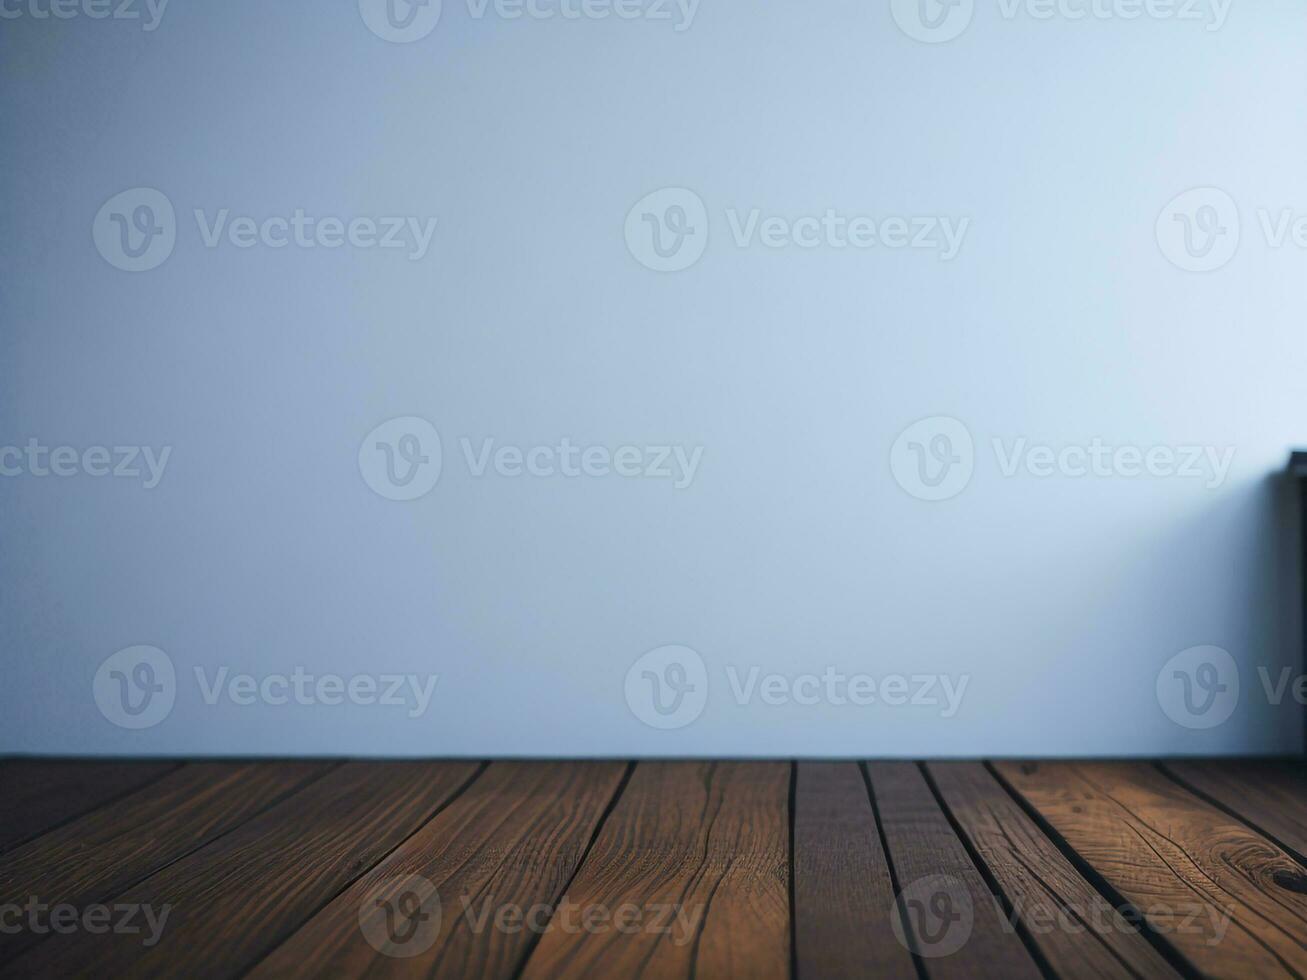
(1125, 908)
(794, 921)
(904, 921)
(534, 939)
(1298, 473)
(1004, 903)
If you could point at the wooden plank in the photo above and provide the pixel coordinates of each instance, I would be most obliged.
(101, 854)
(1272, 796)
(1226, 897)
(233, 900)
(843, 892)
(38, 794)
(699, 851)
(1077, 930)
(497, 859)
(954, 921)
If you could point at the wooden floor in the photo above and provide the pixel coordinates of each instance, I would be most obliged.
(608, 869)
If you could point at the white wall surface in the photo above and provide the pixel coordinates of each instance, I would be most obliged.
(1035, 610)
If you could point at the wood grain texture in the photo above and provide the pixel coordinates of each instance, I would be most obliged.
(498, 857)
(96, 857)
(957, 926)
(700, 851)
(843, 894)
(1227, 898)
(38, 794)
(233, 900)
(1077, 930)
(1272, 796)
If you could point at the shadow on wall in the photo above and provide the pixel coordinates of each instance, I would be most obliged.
(1254, 689)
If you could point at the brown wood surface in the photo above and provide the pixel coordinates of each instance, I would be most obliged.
(37, 795)
(1227, 898)
(233, 900)
(498, 858)
(932, 866)
(1268, 795)
(96, 857)
(669, 869)
(701, 850)
(1080, 933)
(843, 893)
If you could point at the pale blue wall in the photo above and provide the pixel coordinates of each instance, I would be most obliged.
(794, 548)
